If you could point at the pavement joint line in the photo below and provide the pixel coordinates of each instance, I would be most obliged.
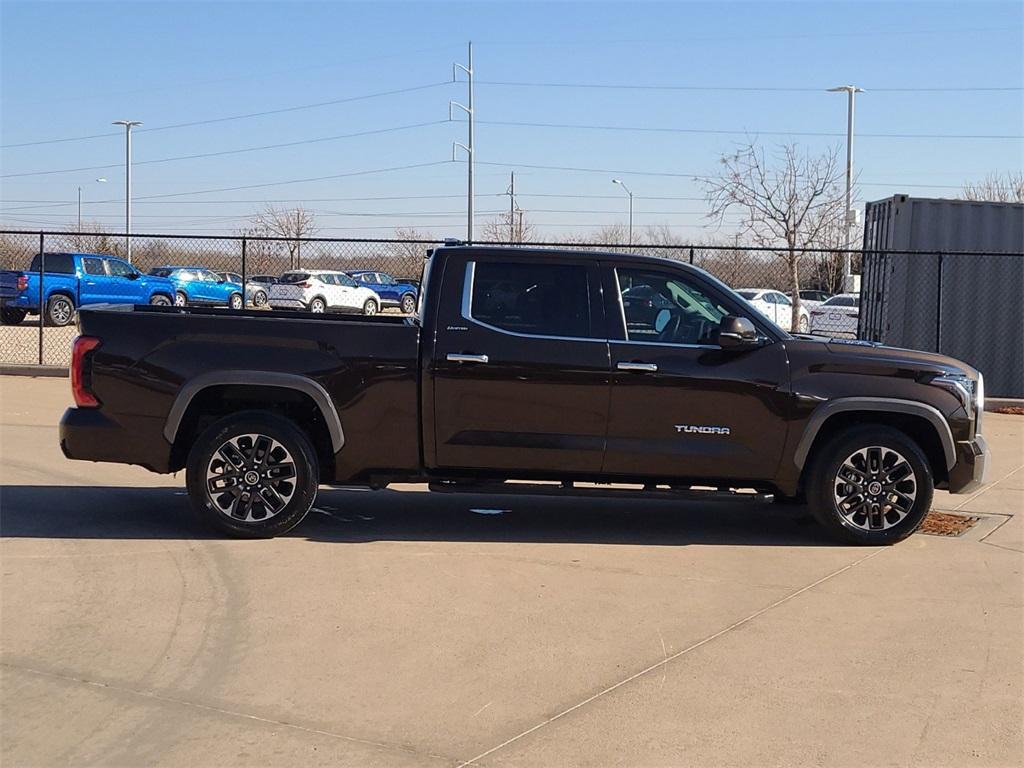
(657, 665)
(222, 711)
(987, 488)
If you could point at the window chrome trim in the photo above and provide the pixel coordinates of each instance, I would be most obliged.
(467, 313)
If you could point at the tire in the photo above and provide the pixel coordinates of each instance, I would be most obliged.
(803, 325)
(159, 300)
(236, 301)
(370, 307)
(409, 304)
(60, 310)
(180, 299)
(244, 505)
(259, 299)
(12, 315)
(318, 306)
(867, 456)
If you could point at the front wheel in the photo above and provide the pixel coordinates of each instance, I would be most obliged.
(409, 304)
(370, 307)
(12, 315)
(252, 475)
(236, 302)
(180, 299)
(159, 300)
(870, 485)
(318, 306)
(60, 310)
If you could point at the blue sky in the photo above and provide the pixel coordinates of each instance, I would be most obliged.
(69, 69)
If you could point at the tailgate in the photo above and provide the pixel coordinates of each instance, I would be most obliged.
(9, 284)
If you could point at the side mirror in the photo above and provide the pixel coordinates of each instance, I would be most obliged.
(134, 275)
(737, 333)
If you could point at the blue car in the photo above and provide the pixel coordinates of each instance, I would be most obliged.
(199, 285)
(73, 280)
(393, 293)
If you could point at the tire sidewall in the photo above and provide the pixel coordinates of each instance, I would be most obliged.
(12, 316)
(823, 476)
(246, 422)
(368, 304)
(411, 300)
(259, 299)
(321, 302)
(235, 301)
(159, 300)
(180, 299)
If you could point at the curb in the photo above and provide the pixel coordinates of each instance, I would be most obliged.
(34, 370)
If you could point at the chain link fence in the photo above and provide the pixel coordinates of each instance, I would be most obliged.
(900, 298)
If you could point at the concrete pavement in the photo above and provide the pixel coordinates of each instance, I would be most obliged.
(401, 628)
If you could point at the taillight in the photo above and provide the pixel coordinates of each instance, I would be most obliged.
(22, 282)
(80, 379)
(305, 285)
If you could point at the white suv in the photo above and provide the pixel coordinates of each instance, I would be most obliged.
(322, 290)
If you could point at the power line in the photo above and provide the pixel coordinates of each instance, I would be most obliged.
(246, 116)
(734, 88)
(747, 132)
(321, 139)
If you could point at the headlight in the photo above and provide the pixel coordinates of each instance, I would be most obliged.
(963, 387)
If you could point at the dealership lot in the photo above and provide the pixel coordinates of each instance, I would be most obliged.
(406, 628)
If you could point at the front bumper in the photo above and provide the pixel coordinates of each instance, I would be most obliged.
(88, 434)
(971, 468)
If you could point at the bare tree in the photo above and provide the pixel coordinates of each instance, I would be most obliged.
(294, 224)
(93, 238)
(509, 227)
(997, 188)
(787, 201)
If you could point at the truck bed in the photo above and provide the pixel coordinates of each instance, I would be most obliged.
(148, 355)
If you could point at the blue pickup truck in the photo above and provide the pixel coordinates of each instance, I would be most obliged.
(73, 280)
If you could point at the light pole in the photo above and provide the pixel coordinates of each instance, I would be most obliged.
(622, 184)
(128, 125)
(851, 91)
(98, 181)
(468, 147)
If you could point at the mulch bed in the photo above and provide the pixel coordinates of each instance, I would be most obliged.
(1013, 410)
(946, 524)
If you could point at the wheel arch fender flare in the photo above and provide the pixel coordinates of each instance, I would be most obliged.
(877, 404)
(303, 384)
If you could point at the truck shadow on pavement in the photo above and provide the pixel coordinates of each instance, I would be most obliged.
(356, 516)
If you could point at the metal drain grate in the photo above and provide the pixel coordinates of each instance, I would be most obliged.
(947, 524)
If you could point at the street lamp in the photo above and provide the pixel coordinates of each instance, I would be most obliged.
(850, 91)
(622, 184)
(128, 125)
(98, 181)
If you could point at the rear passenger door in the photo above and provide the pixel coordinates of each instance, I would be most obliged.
(95, 286)
(520, 365)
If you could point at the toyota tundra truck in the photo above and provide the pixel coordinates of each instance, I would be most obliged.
(536, 371)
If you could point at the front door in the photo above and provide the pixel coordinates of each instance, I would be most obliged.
(681, 406)
(520, 365)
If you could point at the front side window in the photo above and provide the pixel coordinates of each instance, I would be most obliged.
(663, 308)
(534, 298)
(346, 281)
(119, 268)
(385, 279)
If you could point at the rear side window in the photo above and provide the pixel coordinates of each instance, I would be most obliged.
(93, 266)
(533, 298)
(294, 277)
(56, 263)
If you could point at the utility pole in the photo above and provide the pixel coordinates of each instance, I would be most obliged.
(98, 181)
(128, 125)
(298, 242)
(848, 213)
(468, 147)
(622, 184)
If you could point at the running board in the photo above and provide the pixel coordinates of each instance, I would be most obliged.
(568, 488)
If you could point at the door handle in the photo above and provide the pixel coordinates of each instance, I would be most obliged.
(638, 367)
(456, 358)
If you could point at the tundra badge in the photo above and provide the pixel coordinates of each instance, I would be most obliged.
(691, 429)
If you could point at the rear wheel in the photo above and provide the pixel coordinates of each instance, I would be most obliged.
(12, 315)
(180, 299)
(870, 485)
(803, 326)
(236, 302)
(159, 300)
(259, 299)
(60, 310)
(370, 307)
(318, 306)
(408, 304)
(252, 475)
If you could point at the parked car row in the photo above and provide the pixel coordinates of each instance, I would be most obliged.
(74, 280)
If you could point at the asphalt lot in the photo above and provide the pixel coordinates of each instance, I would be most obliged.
(402, 628)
